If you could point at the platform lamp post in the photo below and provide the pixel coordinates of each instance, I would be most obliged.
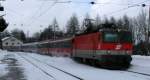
(54, 26)
(3, 24)
(39, 38)
(148, 33)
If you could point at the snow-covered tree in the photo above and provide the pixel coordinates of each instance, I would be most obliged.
(72, 25)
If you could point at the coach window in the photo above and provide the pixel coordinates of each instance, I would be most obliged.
(6, 43)
(12, 44)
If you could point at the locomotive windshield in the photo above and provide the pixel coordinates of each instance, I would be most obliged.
(117, 37)
(110, 37)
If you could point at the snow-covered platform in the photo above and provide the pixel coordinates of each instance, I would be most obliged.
(41, 67)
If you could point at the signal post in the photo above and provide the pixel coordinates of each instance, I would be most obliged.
(3, 24)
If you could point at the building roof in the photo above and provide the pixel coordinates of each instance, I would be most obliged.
(6, 38)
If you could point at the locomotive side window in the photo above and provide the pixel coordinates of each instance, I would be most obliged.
(110, 37)
(125, 37)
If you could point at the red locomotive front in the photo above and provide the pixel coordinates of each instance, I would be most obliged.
(106, 47)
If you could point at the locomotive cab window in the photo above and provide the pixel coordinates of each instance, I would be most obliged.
(110, 37)
(125, 37)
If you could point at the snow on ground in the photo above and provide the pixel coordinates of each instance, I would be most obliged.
(34, 73)
(3, 66)
(140, 63)
(3, 70)
(143, 61)
(31, 72)
(88, 72)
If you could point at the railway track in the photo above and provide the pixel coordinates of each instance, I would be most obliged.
(38, 67)
(138, 73)
(35, 59)
(49, 66)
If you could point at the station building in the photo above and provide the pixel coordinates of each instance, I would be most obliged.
(9, 43)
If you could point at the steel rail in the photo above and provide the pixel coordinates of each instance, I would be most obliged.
(57, 68)
(38, 67)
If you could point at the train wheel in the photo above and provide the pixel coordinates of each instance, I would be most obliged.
(77, 59)
(92, 62)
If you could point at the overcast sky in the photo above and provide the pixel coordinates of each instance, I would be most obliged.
(34, 15)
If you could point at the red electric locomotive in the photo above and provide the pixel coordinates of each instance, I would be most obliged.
(106, 47)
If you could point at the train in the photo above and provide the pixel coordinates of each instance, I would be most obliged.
(105, 47)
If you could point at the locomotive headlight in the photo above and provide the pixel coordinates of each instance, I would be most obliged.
(108, 52)
(128, 52)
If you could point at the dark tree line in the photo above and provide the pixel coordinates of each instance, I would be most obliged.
(52, 32)
(3, 26)
(19, 34)
(137, 25)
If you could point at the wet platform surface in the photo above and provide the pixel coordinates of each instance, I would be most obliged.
(15, 72)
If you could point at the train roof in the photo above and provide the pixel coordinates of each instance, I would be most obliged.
(48, 41)
(60, 40)
(118, 30)
(33, 43)
(103, 30)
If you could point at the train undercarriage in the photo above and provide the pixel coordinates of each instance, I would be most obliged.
(107, 61)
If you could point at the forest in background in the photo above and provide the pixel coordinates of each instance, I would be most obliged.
(139, 26)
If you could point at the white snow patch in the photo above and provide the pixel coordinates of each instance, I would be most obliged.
(140, 63)
(88, 72)
(31, 72)
(3, 66)
(3, 70)
(141, 60)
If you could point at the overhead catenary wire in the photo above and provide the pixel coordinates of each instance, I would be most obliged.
(12, 13)
(83, 2)
(120, 10)
(57, 2)
(40, 7)
(89, 2)
(44, 12)
(80, 2)
(70, 1)
(129, 6)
